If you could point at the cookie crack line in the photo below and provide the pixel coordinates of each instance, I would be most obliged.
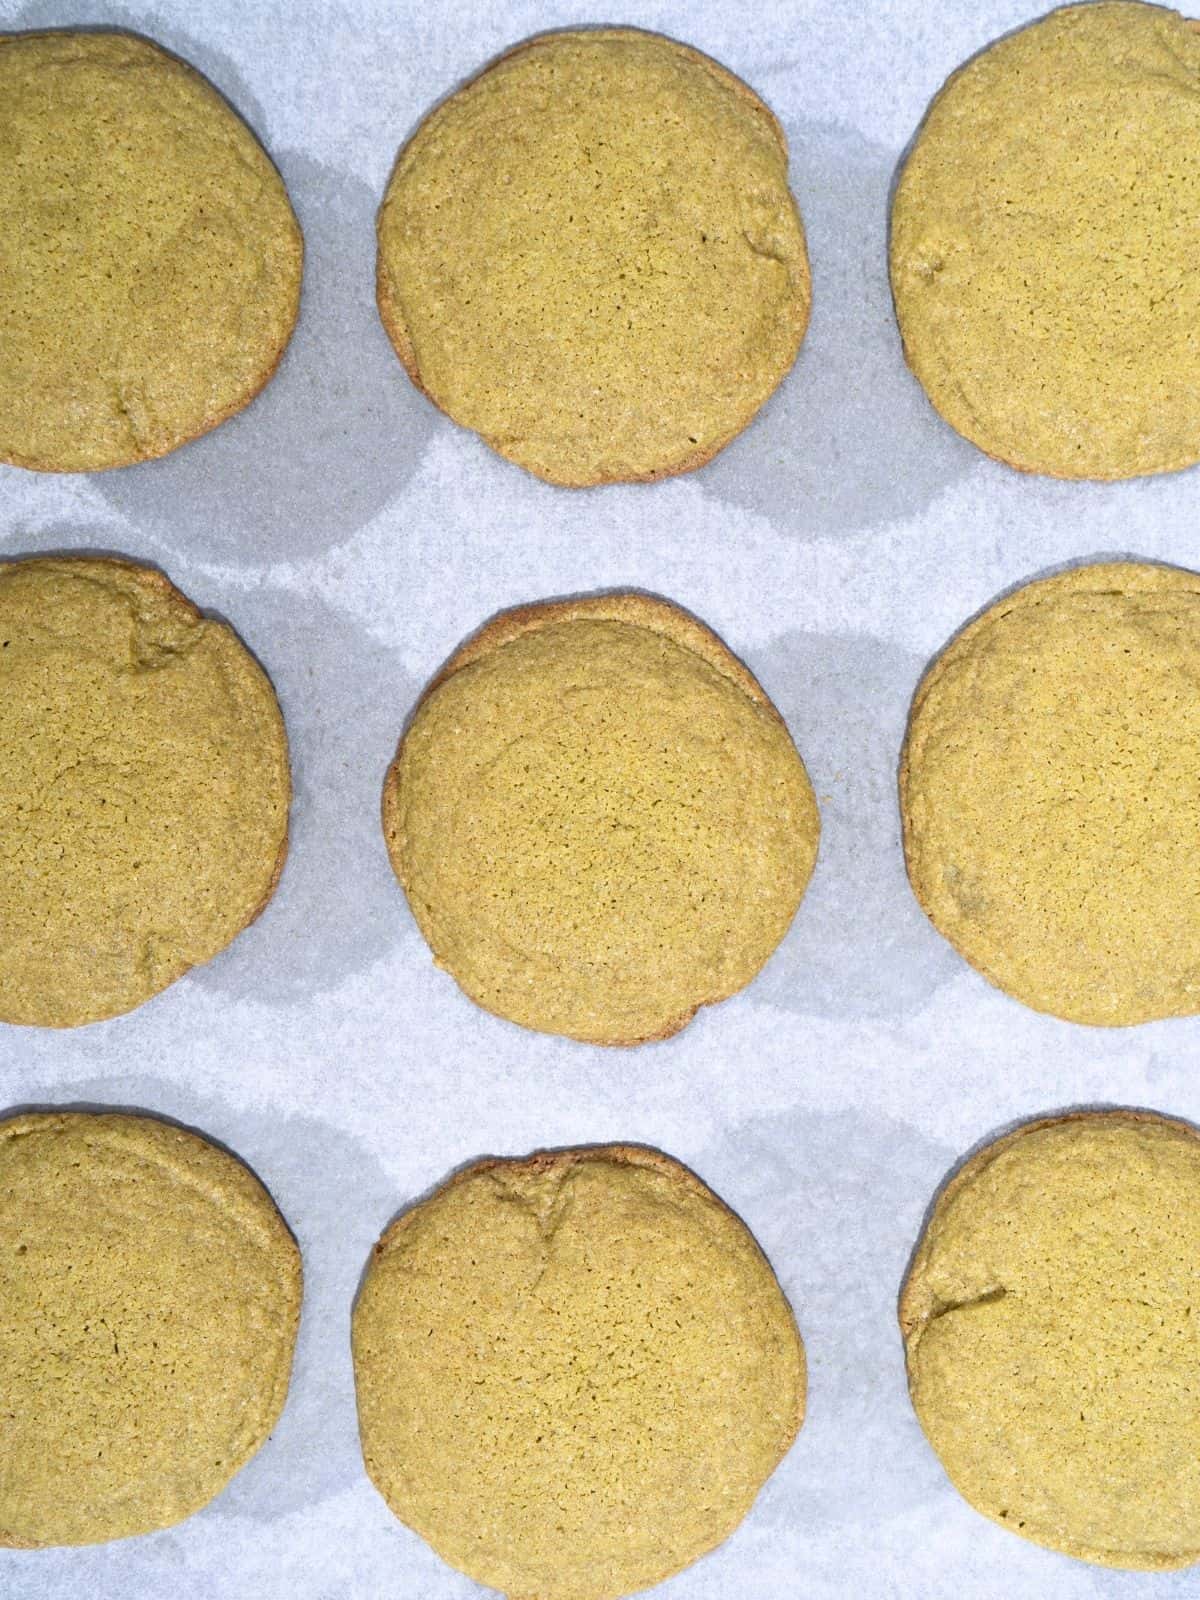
(122, 408)
(152, 654)
(915, 1325)
(765, 250)
(548, 1215)
(944, 1308)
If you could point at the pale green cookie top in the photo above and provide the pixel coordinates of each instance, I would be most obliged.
(574, 1372)
(149, 258)
(1049, 1319)
(149, 1301)
(591, 256)
(1043, 245)
(144, 788)
(599, 819)
(1050, 793)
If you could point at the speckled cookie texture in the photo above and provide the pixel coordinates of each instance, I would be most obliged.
(149, 1301)
(1050, 793)
(591, 256)
(1049, 1318)
(144, 788)
(1043, 245)
(149, 258)
(574, 1371)
(599, 819)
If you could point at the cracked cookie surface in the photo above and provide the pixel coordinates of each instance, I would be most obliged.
(1049, 1320)
(1043, 244)
(1050, 793)
(574, 1371)
(599, 819)
(149, 1301)
(149, 258)
(590, 255)
(144, 788)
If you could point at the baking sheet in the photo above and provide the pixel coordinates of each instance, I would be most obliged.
(354, 536)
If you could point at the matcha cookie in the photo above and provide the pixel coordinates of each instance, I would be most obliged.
(149, 1300)
(144, 788)
(149, 259)
(1043, 245)
(1049, 1319)
(1050, 793)
(590, 255)
(574, 1372)
(599, 819)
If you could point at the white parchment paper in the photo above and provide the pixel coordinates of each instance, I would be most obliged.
(354, 536)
